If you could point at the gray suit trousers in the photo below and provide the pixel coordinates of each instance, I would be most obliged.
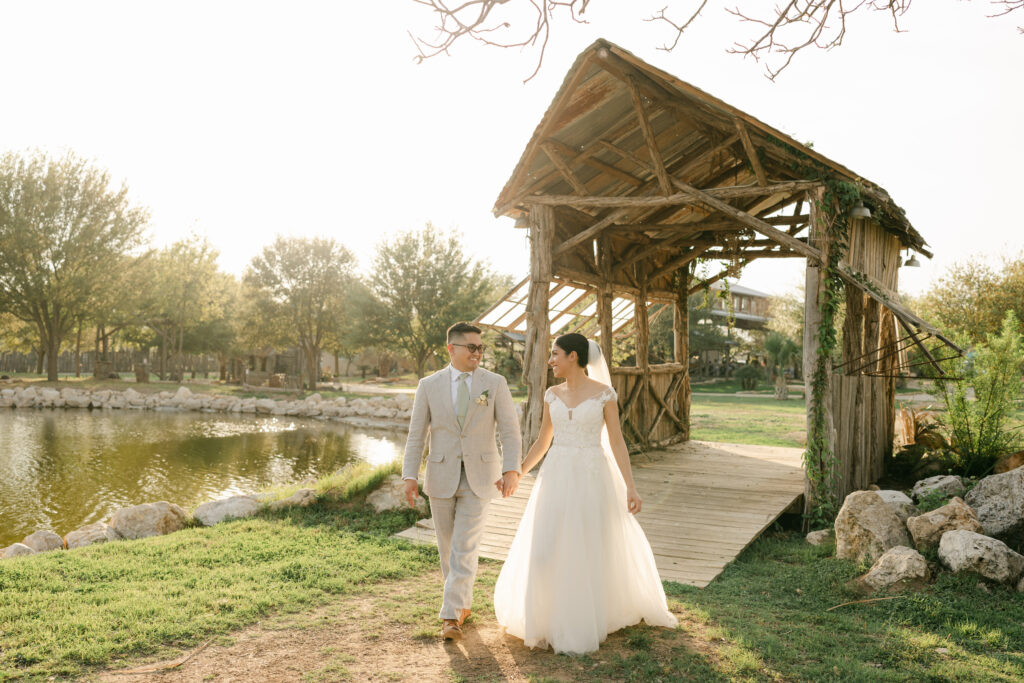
(460, 517)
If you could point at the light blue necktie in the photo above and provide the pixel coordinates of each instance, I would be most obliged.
(462, 399)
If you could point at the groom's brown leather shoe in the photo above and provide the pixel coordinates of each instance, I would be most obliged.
(463, 616)
(451, 630)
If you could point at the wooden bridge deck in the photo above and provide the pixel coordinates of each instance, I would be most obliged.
(704, 503)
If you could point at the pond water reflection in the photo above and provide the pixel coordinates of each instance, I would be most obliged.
(61, 469)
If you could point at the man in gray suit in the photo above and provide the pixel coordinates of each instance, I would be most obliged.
(459, 407)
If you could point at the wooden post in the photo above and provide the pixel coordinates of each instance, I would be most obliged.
(538, 327)
(643, 336)
(814, 286)
(681, 343)
(853, 331)
(604, 297)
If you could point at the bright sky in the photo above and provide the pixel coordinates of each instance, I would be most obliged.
(244, 120)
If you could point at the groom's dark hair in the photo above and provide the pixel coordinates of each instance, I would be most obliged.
(575, 342)
(461, 329)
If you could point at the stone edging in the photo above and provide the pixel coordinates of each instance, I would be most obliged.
(379, 411)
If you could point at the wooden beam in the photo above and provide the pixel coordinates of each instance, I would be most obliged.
(576, 158)
(591, 232)
(604, 297)
(650, 249)
(589, 280)
(648, 132)
(751, 151)
(564, 169)
(681, 345)
(689, 195)
(678, 263)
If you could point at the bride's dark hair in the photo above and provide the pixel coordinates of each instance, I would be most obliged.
(575, 342)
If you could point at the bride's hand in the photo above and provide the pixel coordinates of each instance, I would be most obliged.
(633, 501)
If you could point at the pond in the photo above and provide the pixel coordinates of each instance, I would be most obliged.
(60, 470)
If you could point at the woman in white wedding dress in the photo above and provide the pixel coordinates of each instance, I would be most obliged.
(580, 566)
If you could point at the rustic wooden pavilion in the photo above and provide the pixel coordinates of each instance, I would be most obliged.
(630, 178)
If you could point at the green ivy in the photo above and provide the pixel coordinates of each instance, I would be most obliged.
(821, 464)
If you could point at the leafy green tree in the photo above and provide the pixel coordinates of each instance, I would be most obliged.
(62, 232)
(422, 283)
(978, 428)
(781, 351)
(300, 287)
(181, 295)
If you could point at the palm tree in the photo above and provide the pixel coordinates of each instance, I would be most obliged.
(781, 350)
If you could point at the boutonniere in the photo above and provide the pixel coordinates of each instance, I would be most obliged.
(481, 400)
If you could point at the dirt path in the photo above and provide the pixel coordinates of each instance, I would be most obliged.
(391, 635)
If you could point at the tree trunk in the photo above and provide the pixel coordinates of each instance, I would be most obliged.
(40, 358)
(313, 366)
(78, 351)
(52, 356)
(781, 390)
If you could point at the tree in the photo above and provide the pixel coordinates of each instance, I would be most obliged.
(62, 230)
(972, 298)
(182, 293)
(779, 35)
(781, 351)
(422, 283)
(304, 282)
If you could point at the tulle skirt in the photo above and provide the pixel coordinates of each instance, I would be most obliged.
(580, 566)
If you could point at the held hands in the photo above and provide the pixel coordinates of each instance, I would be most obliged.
(412, 489)
(508, 483)
(633, 502)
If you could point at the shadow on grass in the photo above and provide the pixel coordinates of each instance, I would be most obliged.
(770, 610)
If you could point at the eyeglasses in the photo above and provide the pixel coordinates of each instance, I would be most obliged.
(473, 348)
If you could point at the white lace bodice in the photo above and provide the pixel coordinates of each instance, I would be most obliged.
(581, 424)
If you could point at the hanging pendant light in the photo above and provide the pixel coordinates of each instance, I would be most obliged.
(860, 211)
(912, 262)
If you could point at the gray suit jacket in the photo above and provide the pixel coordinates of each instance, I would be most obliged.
(473, 444)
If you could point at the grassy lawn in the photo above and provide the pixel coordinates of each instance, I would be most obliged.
(765, 619)
(65, 613)
(748, 419)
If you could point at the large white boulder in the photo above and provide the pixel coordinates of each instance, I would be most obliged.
(234, 507)
(927, 528)
(897, 566)
(946, 484)
(301, 498)
(819, 537)
(264, 405)
(180, 396)
(867, 526)
(999, 501)
(391, 496)
(962, 551)
(98, 532)
(25, 398)
(900, 502)
(43, 541)
(16, 550)
(148, 519)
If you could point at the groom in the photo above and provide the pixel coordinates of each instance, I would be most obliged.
(460, 406)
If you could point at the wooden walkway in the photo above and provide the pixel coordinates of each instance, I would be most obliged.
(704, 503)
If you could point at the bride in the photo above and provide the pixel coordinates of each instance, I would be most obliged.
(580, 566)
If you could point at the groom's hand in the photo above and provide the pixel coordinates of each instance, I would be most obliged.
(412, 488)
(508, 483)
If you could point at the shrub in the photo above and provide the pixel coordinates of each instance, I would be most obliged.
(748, 375)
(977, 429)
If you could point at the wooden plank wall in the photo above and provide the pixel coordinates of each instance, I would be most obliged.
(864, 405)
(862, 433)
(638, 419)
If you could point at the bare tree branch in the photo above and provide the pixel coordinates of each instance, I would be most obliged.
(791, 26)
(473, 18)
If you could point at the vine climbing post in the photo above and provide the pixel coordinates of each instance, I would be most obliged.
(817, 372)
